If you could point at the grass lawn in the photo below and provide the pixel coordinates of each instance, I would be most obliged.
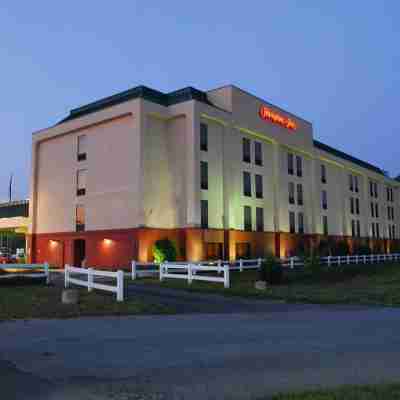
(368, 392)
(36, 300)
(363, 284)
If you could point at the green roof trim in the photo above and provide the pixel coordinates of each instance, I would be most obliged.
(348, 157)
(143, 92)
(14, 209)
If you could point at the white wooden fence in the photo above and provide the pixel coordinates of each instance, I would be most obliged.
(293, 262)
(184, 270)
(12, 271)
(91, 284)
(188, 271)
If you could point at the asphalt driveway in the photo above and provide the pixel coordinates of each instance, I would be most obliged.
(199, 356)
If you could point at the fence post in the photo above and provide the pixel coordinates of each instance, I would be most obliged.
(219, 266)
(226, 276)
(241, 265)
(356, 258)
(291, 263)
(348, 259)
(120, 285)
(365, 259)
(259, 262)
(66, 276)
(190, 278)
(90, 279)
(329, 261)
(133, 270)
(47, 272)
(161, 271)
(339, 260)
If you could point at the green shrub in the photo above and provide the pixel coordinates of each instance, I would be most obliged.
(271, 271)
(164, 250)
(324, 248)
(341, 249)
(363, 249)
(313, 265)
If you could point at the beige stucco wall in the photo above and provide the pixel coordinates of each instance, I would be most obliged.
(113, 164)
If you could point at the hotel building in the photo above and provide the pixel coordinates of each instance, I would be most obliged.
(223, 174)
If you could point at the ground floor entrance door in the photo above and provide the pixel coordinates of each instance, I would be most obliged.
(79, 252)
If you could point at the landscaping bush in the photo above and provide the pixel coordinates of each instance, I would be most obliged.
(341, 249)
(362, 250)
(313, 265)
(271, 271)
(324, 248)
(164, 250)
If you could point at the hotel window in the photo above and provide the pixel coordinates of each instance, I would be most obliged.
(356, 183)
(377, 230)
(260, 219)
(351, 205)
(292, 222)
(353, 228)
(372, 210)
(290, 160)
(358, 229)
(351, 183)
(357, 206)
(376, 210)
(203, 137)
(81, 182)
(323, 173)
(373, 229)
(325, 224)
(394, 232)
(371, 189)
(246, 150)
(299, 166)
(324, 200)
(258, 156)
(388, 213)
(80, 218)
(376, 190)
(300, 194)
(247, 218)
(259, 186)
(82, 144)
(204, 175)
(204, 214)
(246, 184)
(291, 193)
(300, 217)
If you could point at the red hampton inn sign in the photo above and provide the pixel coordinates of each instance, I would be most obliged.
(268, 115)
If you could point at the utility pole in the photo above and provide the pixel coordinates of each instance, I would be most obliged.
(10, 188)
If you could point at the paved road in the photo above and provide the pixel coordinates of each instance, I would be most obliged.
(199, 356)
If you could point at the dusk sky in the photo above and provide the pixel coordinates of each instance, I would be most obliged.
(333, 63)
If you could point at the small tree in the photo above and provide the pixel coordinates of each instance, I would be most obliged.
(164, 250)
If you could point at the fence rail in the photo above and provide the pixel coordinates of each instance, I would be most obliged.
(91, 284)
(185, 270)
(12, 271)
(188, 271)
